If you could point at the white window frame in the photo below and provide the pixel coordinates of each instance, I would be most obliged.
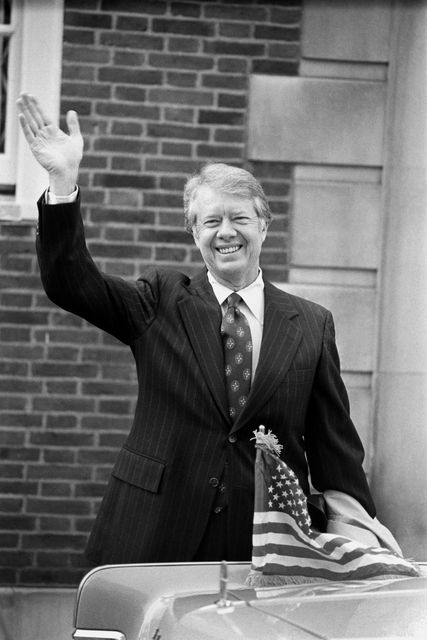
(35, 67)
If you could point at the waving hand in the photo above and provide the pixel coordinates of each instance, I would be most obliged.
(57, 152)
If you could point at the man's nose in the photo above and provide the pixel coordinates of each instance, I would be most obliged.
(226, 228)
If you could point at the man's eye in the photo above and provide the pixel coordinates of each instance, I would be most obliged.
(241, 219)
(211, 222)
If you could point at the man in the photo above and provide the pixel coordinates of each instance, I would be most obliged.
(212, 366)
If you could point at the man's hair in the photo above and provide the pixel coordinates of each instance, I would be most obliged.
(228, 180)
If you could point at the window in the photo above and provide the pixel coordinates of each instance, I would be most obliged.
(5, 32)
(30, 60)
(8, 41)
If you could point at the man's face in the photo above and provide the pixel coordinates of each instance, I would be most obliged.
(229, 235)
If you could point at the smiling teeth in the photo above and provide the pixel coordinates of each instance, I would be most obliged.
(228, 249)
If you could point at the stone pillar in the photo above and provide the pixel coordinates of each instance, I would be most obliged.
(399, 479)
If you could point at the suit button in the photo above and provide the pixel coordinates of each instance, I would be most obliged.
(232, 438)
(214, 482)
(218, 509)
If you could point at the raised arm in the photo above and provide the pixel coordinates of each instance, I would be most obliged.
(57, 152)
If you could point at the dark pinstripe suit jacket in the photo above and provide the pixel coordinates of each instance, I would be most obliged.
(160, 496)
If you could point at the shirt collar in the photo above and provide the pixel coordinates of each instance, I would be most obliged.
(252, 295)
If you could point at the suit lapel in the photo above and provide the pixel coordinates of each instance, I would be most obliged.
(280, 341)
(201, 315)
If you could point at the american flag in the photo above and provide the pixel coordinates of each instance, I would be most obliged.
(286, 550)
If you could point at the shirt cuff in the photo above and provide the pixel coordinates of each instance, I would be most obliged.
(52, 198)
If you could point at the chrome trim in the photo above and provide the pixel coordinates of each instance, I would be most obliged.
(98, 634)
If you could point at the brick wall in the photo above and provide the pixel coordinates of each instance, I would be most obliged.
(160, 88)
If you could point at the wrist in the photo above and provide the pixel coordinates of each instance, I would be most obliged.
(62, 185)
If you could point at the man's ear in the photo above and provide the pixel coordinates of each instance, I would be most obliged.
(263, 228)
(195, 236)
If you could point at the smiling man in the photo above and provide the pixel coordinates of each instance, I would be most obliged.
(216, 356)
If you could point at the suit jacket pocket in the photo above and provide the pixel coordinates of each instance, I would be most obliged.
(140, 470)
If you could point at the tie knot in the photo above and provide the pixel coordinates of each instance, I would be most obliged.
(233, 300)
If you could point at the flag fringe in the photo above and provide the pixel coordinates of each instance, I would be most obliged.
(268, 441)
(256, 579)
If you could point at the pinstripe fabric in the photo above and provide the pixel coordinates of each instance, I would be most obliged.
(160, 495)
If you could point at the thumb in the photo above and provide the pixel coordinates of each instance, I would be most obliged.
(73, 123)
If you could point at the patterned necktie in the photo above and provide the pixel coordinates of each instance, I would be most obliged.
(237, 341)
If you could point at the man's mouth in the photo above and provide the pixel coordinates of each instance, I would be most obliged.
(227, 250)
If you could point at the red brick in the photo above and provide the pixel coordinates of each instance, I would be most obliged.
(24, 454)
(128, 58)
(59, 456)
(224, 47)
(59, 577)
(96, 456)
(15, 385)
(230, 11)
(61, 439)
(11, 505)
(53, 541)
(123, 110)
(132, 23)
(276, 67)
(60, 422)
(234, 30)
(15, 559)
(184, 45)
(181, 96)
(176, 149)
(218, 81)
(188, 27)
(88, 89)
(56, 489)
(221, 152)
(136, 6)
(178, 114)
(11, 470)
(131, 40)
(86, 55)
(21, 420)
(61, 387)
(290, 34)
(221, 117)
(188, 9)
(233, 65)
(18, 487)
(17, 522)
(9, 437)
(175, 131)
(7, 540)
(78, 72)
(55, 524)
(59, 472)
(175, 61)
(9, 368)
(12, 403)
(181, 79)
(79, 36)
(88, 20)
(64, 370)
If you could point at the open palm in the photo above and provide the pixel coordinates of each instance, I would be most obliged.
(57, 152)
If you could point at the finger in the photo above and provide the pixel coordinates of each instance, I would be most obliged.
(73, 123)
(40, 115)
(26, 109)
(29, 135)
(36, 117)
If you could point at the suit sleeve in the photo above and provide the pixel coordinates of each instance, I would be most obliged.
(334, 450)
(73, 281)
